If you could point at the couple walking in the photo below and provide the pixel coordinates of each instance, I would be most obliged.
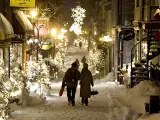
(70, 80)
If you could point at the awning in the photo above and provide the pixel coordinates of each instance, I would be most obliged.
(23, 20)
(6, 29)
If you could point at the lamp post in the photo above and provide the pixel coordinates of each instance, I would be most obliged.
(34, 14)
(38, 36)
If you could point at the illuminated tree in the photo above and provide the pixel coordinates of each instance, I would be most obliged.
(7, 89)
(38, 75)
(18, 77)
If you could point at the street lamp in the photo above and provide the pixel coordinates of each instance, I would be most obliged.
(38, 30)
(34, 13)
(54, 32)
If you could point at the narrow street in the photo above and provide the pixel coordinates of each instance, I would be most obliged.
(107, 105)
(73, 54)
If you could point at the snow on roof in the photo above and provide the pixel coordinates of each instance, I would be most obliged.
(25, 23)
(6, 29)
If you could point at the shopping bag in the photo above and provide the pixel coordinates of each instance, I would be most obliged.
(61, 91)
(94, 92)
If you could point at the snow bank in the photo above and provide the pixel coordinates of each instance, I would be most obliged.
(150, 117)
(36, 99)
(140, 94)
(110, 77)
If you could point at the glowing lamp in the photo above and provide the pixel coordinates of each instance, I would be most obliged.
(53, 32)
(34, 13)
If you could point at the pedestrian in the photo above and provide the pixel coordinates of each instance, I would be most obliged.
(86, 80)
(77, 63)
(70, 80)
(84, 59)
(80, 44)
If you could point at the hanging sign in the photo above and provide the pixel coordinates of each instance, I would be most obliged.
(127, 35)
(22, 3)
(46, 46)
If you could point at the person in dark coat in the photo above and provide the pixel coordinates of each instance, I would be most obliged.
(70, 80)
(86, 80)
(80, 44)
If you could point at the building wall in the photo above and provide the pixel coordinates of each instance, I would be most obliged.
(144, 15)
(107, 23)
(1, 6)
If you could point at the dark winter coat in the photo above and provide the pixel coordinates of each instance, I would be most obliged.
(71, 78)
(86, 80)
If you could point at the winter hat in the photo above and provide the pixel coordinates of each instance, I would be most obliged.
(85, 65)
(74, 64)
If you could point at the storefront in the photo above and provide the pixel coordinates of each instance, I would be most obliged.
(23, 30)
(6, 34)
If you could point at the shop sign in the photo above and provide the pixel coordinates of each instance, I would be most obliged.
(127, 35)
(22, 3)
(46, 46)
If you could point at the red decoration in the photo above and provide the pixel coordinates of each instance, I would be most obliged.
(43, 31)
(157, 15)
(61, 91)
(157, 36)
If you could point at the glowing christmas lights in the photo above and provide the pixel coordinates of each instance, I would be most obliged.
(6, 88)
(78, 14)
(38, 74)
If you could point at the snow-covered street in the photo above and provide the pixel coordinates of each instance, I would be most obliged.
(107, 105)
(114, 101)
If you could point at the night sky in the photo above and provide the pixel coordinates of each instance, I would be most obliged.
(69, 4)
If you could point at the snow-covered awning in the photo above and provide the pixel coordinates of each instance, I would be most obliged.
(6, 29)
(23, 20)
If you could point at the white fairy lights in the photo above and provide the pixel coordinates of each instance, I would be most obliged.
(38, 74)
(76, 28)
(7, 87)
(78, 14)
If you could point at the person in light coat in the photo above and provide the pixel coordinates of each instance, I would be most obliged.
(86, 80)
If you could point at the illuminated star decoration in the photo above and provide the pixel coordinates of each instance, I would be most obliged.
(78, 14)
